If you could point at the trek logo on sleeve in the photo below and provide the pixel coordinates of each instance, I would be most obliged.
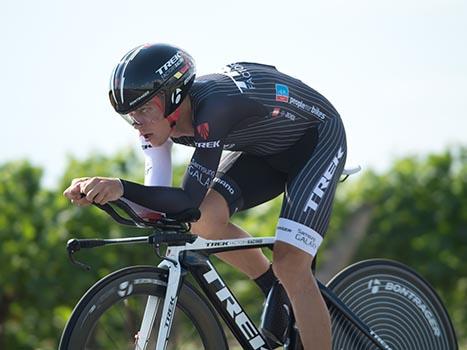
(203, 130)
(282, 93)
(323, 183)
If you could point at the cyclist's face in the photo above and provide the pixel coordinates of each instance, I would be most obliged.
(150, 122)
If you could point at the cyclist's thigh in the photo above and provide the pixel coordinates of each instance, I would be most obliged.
(246, 181)
(306, 211)
(214, 212)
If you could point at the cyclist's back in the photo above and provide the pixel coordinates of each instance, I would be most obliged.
(256, 109)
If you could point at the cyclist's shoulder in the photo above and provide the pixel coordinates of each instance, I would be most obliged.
(211, 87)
(245, 70)
(216, 113)
(232, 72)
(215, 95)
(261, 65)
(239, 65)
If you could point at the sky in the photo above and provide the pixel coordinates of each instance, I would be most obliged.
(396, 70)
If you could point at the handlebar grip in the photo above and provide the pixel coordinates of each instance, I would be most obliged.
(117, 217)
(135, 219)
(182, 218)
(189, 215)
(73, 245)
(129, 210)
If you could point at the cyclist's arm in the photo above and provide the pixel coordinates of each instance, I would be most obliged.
(158, 163)
(197, 180)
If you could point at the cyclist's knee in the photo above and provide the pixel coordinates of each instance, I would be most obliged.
(291, 265)
(214, 216)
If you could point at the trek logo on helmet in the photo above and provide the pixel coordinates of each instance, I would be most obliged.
(175, 61)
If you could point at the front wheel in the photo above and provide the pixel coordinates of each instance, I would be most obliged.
(395, 302)
(109, 316)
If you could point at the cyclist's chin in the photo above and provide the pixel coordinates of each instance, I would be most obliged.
(176, 133)
(155, 140)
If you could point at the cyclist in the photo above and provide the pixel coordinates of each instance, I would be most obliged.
(284, 136)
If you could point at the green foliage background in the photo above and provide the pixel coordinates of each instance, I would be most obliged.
(419, 217)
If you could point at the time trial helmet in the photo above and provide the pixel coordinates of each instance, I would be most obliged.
(148, 70)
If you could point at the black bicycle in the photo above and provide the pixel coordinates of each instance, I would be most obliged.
(374, 304)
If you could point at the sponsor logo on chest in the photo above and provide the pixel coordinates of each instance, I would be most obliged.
(307, 108)
(282, 93)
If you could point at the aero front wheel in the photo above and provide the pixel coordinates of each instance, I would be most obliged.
(395, 302)
(110, 315)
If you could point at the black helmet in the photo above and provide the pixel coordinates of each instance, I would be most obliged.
(147, 70)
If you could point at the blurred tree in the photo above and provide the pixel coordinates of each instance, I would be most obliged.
(419, 216)
(37, 281)
(20, 251)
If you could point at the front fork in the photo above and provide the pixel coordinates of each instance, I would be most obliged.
(174, 271)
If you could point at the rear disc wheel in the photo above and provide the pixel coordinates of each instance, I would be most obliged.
(395, 302)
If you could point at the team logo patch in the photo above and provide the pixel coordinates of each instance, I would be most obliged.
(203, 130)
(282, 93)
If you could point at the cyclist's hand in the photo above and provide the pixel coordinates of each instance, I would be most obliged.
(74, 194)
(101, 190)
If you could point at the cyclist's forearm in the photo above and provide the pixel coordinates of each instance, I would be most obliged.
(169, 200)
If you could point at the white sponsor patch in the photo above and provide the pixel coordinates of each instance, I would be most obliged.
(298, 235)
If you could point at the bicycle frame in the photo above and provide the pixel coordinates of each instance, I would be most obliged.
(194, 258)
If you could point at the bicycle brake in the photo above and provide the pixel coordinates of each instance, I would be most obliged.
(72, 246)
